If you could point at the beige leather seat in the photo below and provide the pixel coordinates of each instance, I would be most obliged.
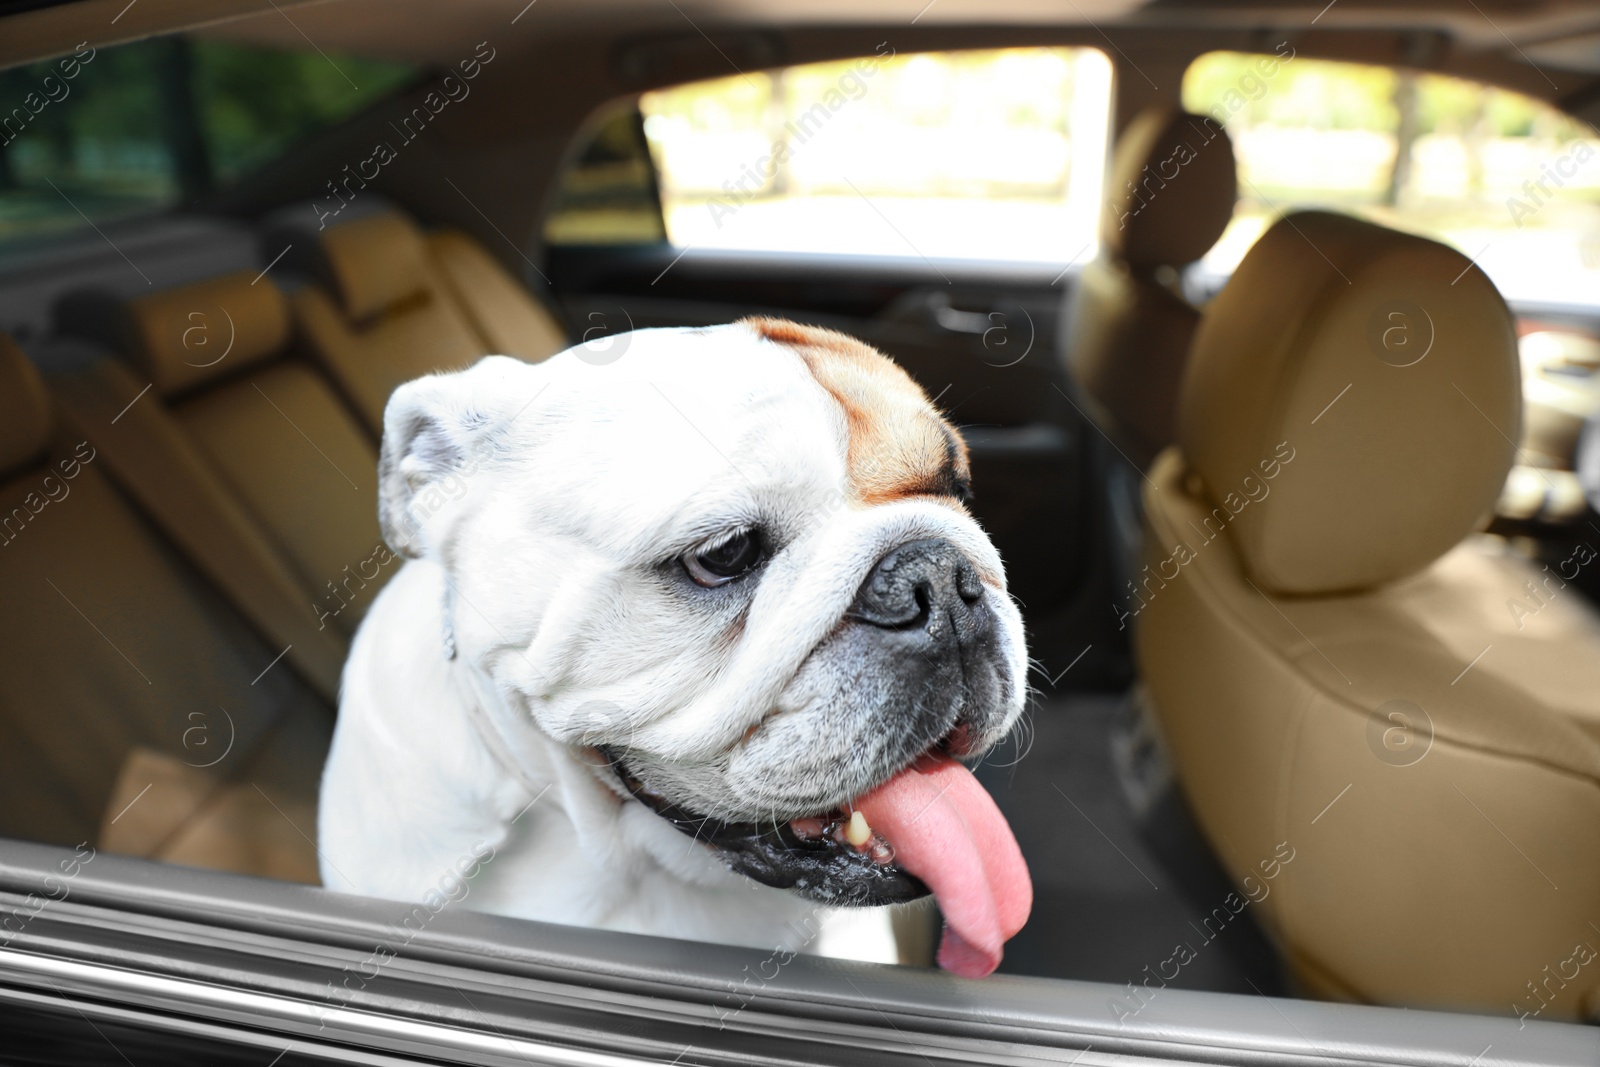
(410, 304)
(392, 320)
(288, 447)
(1127, 325)
(505, 316)
(1344, 672)
(140, 715)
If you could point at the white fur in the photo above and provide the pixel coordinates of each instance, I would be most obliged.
(540, 504)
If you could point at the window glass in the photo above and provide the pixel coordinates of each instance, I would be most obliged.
(106, 133)
(257, 102)
(607, 195)
(981, 154)
(1507, 179)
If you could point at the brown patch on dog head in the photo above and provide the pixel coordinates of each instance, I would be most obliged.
(899, 446)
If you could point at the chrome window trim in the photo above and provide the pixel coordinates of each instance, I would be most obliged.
(192, 951)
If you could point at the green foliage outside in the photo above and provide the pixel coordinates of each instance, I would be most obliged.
(151, 125)
(257, 102)
(1352, 96)
(1507, 179)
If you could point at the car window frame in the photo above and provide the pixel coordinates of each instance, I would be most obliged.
(588, 130)
(203, 952)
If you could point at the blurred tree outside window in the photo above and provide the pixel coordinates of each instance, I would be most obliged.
(994, 154)
(140, 128)
(1507, 179)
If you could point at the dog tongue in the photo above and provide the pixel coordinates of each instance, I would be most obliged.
(948, 832)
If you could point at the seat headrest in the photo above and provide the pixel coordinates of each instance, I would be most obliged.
(1171, 190)
(377, 262)
(1384, 367)
(192, 334)
(26, 421)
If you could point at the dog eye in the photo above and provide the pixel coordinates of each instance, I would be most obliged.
(725, 561)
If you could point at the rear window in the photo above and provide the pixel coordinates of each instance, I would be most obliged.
(103, 134)
(1507, 179)
(977, 154)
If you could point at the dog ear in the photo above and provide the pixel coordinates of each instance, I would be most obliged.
(438, 434)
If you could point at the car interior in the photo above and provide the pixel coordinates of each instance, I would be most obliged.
(1181, 257)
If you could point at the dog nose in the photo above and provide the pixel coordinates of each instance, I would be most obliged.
(926, 585)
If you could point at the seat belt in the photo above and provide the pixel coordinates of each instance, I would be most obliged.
(152, 461)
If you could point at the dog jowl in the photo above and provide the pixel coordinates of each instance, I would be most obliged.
(696, 639)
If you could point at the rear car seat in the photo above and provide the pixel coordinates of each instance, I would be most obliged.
(409, 305)
(508, 320)
(392, 320)
(151, 718)
(219, 357)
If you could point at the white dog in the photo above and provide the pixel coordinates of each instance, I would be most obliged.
(685, 645)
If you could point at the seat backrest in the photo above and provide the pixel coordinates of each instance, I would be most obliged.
(287, 446)
(1364, 701)
(389, 318)
(1127, 326)
(505, 315)
(118, 646)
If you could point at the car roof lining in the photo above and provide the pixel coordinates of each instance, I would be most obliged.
(545, 85)
(1489, 40)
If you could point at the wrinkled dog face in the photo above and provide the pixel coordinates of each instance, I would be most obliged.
(735, 560)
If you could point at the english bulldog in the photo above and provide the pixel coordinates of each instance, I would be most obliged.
(689, 641)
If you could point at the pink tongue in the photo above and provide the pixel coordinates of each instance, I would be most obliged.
(947, 831)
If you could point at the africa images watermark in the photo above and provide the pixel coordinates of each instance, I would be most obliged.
(1254, 489)
(56, 888)
(850, 86)
(54, 489)
(1540, 594)
(452, 89)
(54, 90)
(453, 887)
(1583, 954)
(1538, 189)
(403, 529)
(808, 928)
(1252, 85)
(341, 596)
(1256, 890)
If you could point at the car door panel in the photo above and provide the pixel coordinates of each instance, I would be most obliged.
(980, 339)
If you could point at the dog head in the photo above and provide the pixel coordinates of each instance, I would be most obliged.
(739, 563)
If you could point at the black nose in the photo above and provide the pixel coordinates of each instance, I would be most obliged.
(926, 586)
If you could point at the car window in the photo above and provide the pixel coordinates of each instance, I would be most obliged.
(975, 154)
(105, 133)
(1507, 179)
(607, 195)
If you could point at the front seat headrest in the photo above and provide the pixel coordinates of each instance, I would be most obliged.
(1171, 190)
(1385, 366)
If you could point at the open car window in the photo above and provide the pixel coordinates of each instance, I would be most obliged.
(1509, 180)
(365, 700)
(108, 133)
(961, 155)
